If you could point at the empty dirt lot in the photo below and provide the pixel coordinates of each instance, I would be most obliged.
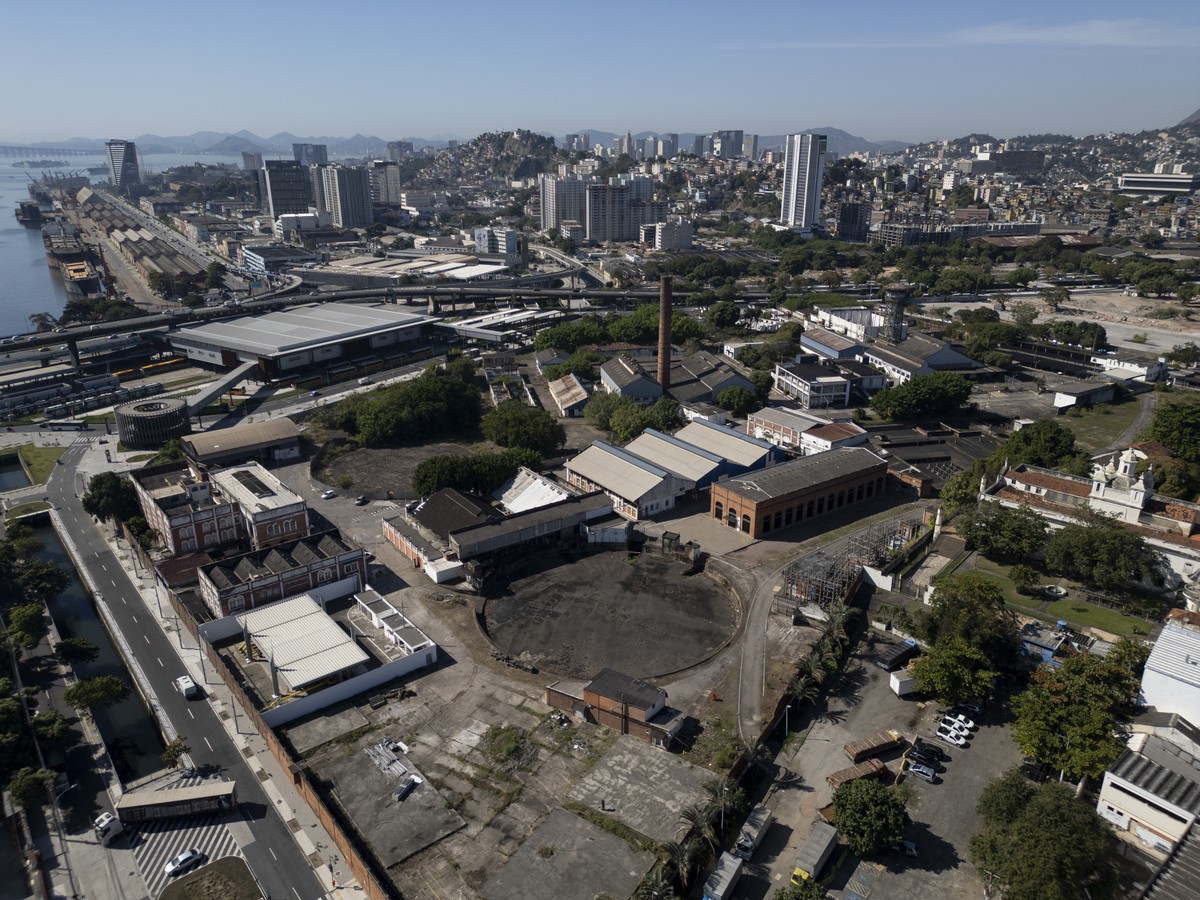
(638, 615)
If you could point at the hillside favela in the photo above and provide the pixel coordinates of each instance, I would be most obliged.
(530, 511)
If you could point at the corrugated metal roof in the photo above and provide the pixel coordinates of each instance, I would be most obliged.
(1164, 770)
(1179, 879)
(803, 473)
(528, 490)
(567, 391)
(674, 455)
(739, 449)
(1176, 654)
(302, 641)
(624, 475)
(241, 437)
(624, 688)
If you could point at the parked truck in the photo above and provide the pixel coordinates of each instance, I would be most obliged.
(753, 831)
(724, 877)
(878, 743)
(894, 656)
(815, 853)
(903, 682)
(872, 768)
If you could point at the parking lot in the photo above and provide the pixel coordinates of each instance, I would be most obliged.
(943, 814)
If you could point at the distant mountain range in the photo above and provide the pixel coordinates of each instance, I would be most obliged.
(216, 142)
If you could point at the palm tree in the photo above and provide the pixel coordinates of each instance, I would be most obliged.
(803, 687)
(656, 886)
(697, 820)
(813, 666)
(682, 857)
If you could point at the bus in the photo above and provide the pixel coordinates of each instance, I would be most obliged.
(210, 797)
(311, 381)
(68, 426)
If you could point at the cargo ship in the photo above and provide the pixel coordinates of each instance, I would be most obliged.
(80, 278)
(29, 212)
(63, 244)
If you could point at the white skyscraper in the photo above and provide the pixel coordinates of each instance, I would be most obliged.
(347, 195)
(122, 164)
(803, 167)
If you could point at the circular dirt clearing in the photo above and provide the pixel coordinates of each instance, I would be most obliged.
(641, 618)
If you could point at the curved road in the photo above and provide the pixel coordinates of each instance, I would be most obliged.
(281, 869)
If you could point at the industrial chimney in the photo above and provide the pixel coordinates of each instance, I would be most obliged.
(664, 333)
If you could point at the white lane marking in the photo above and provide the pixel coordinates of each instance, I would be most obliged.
(210, 746)
(147, 637)
(160, 662)
(273, 856)
(192, 714)
(134, 619)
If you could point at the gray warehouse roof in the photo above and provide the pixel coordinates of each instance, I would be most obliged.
(1164, 770)
(617, 686)
(254, 436)
(301, 327)
(804, 472)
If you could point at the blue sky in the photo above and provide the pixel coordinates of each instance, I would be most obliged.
(907, 70)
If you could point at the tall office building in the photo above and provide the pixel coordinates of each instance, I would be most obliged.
(122, 164)
(727, 144)
(311, 154)
(385, 181)
(803, 168)
(398, 150)
(607, 217)
(750, 146)
(251, 162)
(668, 145)
(347, 195)
(563, 199)
(853, 221)
(285, 187)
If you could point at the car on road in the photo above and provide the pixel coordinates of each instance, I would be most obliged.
(187, 686)
(360, 500)
(184, 862)
(314, 393)
(951, 737)
(921, 771)
(328, 495)
(908, 848)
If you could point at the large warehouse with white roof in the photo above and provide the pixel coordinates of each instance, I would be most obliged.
(290, 339)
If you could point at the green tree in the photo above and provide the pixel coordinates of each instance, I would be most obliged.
(40, 579)
(922, 397)
(1069, 716)
(961, 489)
(628, 421)
(1024, 579)
(97, 692)
(1047, 443)
(28, 787)
(1175, 425)
(214, 275)
(808, 889)
(109, 496)
(868, 815)
(664, 414)
(1024, 315)
(1004, 532)
(600, 408)
(1055, 297)
(27, 625)
(174, 751)
(724, 314)
(1098, 550)
(737, 400)
(1021, 276)
(971, 607)
(953, 671)
(1005, 798)
(41, 321)
(516, 424)
(1050, 851)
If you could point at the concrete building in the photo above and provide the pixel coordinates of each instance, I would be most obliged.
(311, 154)
(853, 221)
(347, 195)
(741, 452)
(269, 441)
(668, 235)
(285, 187)
(693, 468)
(1171, 678)
(701, 377)
(625, 376)
(918, 354)
(803, 169)
(637, 488)
(244, 505)
(398, 150)
(385, 181)
(815, 387)
(252, 162)
(794, 492)
(322, 563)
(795, 430)
(622, 703)
(1151, 795)
(123, 170)
(829, 344)
(569, 395)
(564, 199)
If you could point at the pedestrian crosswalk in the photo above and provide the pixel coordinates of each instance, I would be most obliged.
(155, 843)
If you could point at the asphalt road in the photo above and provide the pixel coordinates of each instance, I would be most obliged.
(273, 856)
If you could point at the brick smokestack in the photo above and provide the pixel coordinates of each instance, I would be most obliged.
(664, 333)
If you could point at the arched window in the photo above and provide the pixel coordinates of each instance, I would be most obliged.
(719, 510)
(732, 518)
(746, 524)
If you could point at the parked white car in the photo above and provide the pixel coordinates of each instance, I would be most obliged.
(956, 727)
(951, 737)
(958, 717)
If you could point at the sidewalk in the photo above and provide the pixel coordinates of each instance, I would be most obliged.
(311, 838)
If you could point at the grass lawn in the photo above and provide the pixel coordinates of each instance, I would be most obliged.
(101, 418)
(225, 879)
(39, 461)
(1099, 426)
(26, 508)
(1080, 612)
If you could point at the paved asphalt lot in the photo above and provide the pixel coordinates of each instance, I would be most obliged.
(943, 814)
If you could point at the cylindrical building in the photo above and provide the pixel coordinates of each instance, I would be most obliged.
(148, 424)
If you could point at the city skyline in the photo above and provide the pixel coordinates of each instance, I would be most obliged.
(893, 72)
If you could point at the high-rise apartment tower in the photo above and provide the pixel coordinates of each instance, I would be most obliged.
(803, 167)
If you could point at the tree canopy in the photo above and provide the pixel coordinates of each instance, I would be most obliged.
(476, 473)
(953, 671)
(1071, 716)
(922, 396)
(1003, 532)
(971, 607)
(1045, 848)
(98, 692)
(626, 419)
(438, 403)
(109, 495)
(1175, 425)
(737, 400)
(1047, 443)
(517, 424)
(1099, 551)
(869, 815)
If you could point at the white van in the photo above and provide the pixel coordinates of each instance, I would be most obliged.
(107, 827)
(187, 686)
(364, 380)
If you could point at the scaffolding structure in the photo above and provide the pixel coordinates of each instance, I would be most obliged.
(815, 580)
(875, 544)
